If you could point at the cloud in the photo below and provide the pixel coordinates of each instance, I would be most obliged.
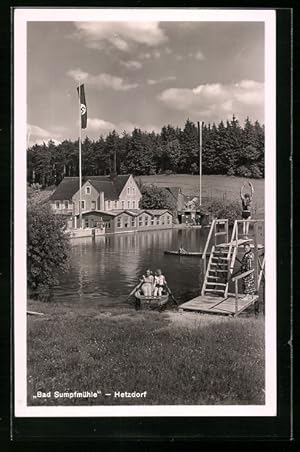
(78, 74)
(100, 125)
(102, 81)
(103, 127)
(120, 35)
(161, 80)
(198, 56)
(145, 56)
(38, 135)
(216, 100)
(132, 64)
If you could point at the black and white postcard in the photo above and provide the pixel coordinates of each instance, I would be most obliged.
(144, 212)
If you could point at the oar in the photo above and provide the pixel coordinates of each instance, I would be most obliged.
(134, 289)
(172, 296)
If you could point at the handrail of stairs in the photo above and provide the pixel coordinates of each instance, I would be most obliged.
(234, 235)
(212, 226)
(207, 270)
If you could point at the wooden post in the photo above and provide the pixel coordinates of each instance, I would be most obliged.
(227, 231)
(79, 147)
(255, 256)
(200, 161)
(215, 230)
(236, 296)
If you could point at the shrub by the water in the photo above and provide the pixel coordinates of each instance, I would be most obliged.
(47, 249)
(218, 208)
(155, 198)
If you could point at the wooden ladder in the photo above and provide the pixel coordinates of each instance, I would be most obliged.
(216, 274)
(216, 277)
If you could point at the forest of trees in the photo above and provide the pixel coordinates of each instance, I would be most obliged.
(228, 148)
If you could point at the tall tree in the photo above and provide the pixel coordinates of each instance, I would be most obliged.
(189, 157)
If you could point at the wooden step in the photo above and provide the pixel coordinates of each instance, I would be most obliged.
(214, 290)
(219, 258)
(218, 263)
(215, 284)
(218, 270)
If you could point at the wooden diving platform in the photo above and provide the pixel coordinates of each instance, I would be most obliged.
(219, 305)
(240, 242)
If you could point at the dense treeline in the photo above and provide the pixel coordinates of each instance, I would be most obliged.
(228, 148)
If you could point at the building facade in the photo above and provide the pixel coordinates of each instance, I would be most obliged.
(128, 220)
(98, 193)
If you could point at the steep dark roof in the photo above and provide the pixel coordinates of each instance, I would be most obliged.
(175, 191)
(112, 188)
(107, 187)
(66, 189)
(120, 182)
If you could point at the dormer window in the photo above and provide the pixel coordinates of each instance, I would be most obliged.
(128, 190)
(88, 190)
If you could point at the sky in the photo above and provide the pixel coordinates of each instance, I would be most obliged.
(141, 74)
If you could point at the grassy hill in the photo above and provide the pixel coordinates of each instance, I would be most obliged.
(213, 186)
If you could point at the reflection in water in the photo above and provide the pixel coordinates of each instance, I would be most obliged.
(103, 271)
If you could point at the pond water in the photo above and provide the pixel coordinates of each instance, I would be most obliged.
(104, 271)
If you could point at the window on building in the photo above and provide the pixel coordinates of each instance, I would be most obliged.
(83, 205)
(57, 204)
(123, 204)
(162, 220)
(133, 190)
(128, 190)
(93, 205)
(157, 220)
(152, 221)
(108, 205)
(140, 221)
(133, 204)
(116, 204)
(88, 190)
(126, 223)
(118, 222)
(146, 221)
(169, 219)
(128, 204)
(66, 203)
(133, 222)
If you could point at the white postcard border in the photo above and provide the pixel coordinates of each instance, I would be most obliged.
(21, 17)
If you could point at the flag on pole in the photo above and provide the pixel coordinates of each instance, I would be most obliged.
(83, 107)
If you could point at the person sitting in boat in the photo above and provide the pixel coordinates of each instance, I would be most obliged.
(148, 282)
(181, 250)
(159, 283)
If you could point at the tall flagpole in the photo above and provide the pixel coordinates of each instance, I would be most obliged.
(200, 161)
(79, 145)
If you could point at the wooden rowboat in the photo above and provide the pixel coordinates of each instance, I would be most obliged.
(187, 253)
(150, 302)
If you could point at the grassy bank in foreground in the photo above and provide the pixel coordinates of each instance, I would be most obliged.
(177, 358)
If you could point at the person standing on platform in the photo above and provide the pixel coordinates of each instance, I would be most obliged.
(247, 207)
(247, 264)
